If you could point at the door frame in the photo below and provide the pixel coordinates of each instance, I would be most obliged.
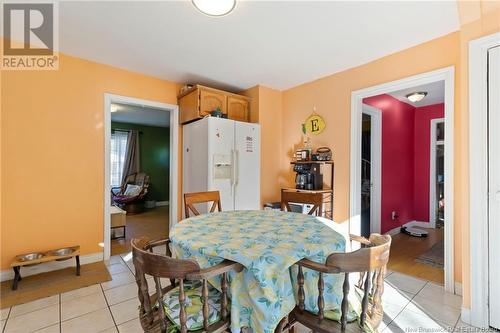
(447, 75)
(478, 179)
(432, 169)
(375, 166)
(174, 143)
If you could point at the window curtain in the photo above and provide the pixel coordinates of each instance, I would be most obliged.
(132, 157)
(118, 151)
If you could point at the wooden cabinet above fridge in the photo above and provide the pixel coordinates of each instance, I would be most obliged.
(199, 101)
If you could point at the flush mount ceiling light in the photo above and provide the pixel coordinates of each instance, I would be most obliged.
(215, 7)
(416, 96)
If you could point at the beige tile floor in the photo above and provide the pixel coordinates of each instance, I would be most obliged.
(409, 303)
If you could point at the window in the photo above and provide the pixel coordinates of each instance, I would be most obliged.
(118, 151)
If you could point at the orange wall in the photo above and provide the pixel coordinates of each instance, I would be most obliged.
(332, 97)
(266, 109)
(477, 19)
(52, 143)
(270, 114)
(253, 93)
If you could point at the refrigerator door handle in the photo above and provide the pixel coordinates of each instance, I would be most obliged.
(232, 171)
(236, 167)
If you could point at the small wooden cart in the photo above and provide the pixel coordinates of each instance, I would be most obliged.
(327, 193)
(118, 221)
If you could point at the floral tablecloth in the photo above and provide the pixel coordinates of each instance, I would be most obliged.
(267, 243)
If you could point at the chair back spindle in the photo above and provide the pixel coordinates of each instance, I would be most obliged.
(204, 297)
(301, 293)
(159, 292)
(344, 307)
(321, 300)
(364, 303)
(223, 303)
(182, 303)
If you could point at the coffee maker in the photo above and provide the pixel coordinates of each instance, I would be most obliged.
(308, 176)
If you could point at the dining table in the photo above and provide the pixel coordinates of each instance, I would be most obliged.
(267, 243)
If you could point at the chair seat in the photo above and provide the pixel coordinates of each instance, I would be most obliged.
(194, 305)
(122, 199)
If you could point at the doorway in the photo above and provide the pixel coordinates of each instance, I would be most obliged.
(484, 185)
(412, 176)
(370, 170)
(494, 182)
(436, 179)
(391, 219)
(140, 183)
(122, 116)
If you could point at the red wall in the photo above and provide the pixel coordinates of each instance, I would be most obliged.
(397, 159)
(423, 117)
(405, 159)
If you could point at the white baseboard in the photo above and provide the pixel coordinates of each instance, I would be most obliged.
(465, 315)
(161, 203)
(458, 289)
(52, 266)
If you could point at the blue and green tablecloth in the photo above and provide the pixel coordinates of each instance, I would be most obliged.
(267, 243)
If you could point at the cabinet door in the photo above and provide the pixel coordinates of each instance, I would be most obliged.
(237, 108)
(188, 107)
(210, 101)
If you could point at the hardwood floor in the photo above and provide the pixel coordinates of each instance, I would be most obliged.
(406, 248)
(153, 223)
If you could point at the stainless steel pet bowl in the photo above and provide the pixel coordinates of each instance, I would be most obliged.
(61, 253)
(29, 257)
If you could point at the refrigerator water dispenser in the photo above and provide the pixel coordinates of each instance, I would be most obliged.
(222, 166)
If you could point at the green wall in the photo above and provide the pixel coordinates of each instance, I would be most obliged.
(154, 145)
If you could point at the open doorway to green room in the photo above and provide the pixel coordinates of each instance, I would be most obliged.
(140, 171)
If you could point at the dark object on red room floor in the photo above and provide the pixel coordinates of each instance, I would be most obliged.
(414, 232)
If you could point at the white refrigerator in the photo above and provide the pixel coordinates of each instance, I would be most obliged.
(223, 155)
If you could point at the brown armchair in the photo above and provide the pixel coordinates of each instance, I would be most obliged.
(370, 261)
(181, 273)
(131, 203)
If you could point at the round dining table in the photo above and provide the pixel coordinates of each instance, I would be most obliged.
(267, 243)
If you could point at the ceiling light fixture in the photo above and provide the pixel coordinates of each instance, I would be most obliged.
(114, 107)
(215, 7)
(416, 96)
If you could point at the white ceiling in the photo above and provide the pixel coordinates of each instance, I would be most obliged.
(279, 44)
(139, 115)
(435, 94)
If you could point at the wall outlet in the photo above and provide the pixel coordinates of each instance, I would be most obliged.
(394, 215)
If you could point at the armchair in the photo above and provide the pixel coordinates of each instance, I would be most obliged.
(131, 202)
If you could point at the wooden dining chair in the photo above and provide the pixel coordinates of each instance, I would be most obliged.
(190, 199)
(370, 262)
(198, 313)
(314, 199)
